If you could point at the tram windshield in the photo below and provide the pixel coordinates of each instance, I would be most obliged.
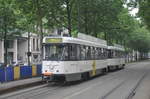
(56, 52)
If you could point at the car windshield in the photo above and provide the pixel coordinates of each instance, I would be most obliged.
(56, 52)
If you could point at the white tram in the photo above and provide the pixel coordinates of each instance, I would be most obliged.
(70, 59)
(116, 58)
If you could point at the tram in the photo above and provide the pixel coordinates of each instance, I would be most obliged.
(72, 59)
(116, 57)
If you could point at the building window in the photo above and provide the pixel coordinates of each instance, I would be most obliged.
(37, 44)
(10, 44)
(33, 44)
(10, 57)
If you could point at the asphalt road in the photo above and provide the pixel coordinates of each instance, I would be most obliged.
(121, 84)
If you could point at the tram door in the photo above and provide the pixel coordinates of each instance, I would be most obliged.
(73, 57)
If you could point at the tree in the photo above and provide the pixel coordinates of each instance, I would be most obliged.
(33, 12)
(144, 9)
(140, 40)
(8, 28)
(106, 19)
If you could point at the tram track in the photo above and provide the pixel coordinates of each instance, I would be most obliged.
(112, 90)
(41, 92)
(112, 78)
(132, 92)
(24, 94)
(127, 80)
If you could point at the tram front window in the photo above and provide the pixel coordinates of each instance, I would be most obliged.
(56, 52)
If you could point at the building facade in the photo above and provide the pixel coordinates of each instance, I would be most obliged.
(18, 48)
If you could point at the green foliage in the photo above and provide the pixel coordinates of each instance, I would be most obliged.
(144, 11)
(140, 40)
(8, 19)
(106, 19)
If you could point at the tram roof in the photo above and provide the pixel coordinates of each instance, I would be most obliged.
(73, 40)
(121, 48)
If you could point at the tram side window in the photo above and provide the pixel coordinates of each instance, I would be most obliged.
(110, 54)
(78, 52)
(105, 53)
(88, 53)
(73, 52)
(119, 54)
(99, 53)
(115, 54)
(122, 54)
(83, 52)
(102, 52)
(65, 53)
(96, 53)
(92, 53)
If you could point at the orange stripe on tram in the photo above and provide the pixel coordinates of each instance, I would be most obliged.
(47, 74)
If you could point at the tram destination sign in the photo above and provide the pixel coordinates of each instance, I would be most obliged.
(53, 40)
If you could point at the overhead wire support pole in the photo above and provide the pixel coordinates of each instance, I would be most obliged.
(29, 53)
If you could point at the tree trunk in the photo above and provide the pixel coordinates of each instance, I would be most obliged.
(69, 16)
(5, 41)
(78, 6)
(86, 18)
(105, 35)
(39, 15)
(5, 46)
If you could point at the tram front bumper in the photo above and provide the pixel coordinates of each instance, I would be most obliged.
(47, 76)
(53, 77)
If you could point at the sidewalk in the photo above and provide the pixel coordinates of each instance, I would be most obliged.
(19, 83)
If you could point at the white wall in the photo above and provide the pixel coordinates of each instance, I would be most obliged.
(1, 51)
(22, 50)
(15, 59)
(34, 51)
